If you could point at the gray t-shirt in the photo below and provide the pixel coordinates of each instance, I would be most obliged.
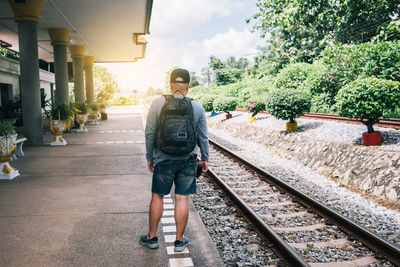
(157, 156)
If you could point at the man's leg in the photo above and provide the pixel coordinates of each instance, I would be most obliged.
(181, 215)
(156, 211)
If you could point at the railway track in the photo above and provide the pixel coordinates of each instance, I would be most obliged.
(303, 231)
(390, 123)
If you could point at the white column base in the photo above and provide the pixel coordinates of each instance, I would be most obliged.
(58, 141)
(93, 122)
(8, 172)
(82, 128)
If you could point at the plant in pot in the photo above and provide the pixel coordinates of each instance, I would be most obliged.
(8, 147)
(94, 113)
(255, 106)
(207, 103)
(226, 104)
(103, 112)
(368, 99)
(81, 110)
(60, 120)
(288, 104)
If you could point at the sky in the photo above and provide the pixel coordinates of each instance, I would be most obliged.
(185, 33)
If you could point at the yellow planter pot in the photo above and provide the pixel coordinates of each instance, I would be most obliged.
(291, 126)
(81, 119)
(57, 127)
(8, 147)
(251, 119)
(93, 118)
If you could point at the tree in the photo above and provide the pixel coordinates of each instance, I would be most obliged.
(150, 91)
(194, 80)
(228, 72)
(367, 99)
(298, 30)
(206, 76)
(105, 84)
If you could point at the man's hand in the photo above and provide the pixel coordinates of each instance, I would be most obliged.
(150, 166)
(204, 164)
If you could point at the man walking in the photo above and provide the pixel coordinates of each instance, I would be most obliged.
(175, 125)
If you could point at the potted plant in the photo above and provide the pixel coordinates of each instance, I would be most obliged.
(288, 104)
(94, 113)
(60, 120)
(255, 106)
(8, 147)
(368, 99)
(207, 103)
(103, 112)
(226, 104)
(81, 111)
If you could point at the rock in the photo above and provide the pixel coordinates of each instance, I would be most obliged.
(392, 195)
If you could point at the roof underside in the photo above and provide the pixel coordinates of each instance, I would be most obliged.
(105, 27)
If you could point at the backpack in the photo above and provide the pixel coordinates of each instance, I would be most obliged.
(175, 131)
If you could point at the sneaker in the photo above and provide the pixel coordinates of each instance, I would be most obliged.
(179, 246)
(150, 243)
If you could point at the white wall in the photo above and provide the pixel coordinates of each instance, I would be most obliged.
(9, 74)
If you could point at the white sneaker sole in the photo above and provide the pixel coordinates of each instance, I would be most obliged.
(180, 249)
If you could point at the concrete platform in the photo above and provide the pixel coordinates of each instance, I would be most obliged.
(86, 204)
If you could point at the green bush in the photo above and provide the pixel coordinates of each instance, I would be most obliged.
(293, 75)
(81, 108)
(288, 104)
(207, 103)
(255, 105)
(60, 111)
(95, 107)
(225, 104)
(323, 86)
(368, 99)
(6, 129)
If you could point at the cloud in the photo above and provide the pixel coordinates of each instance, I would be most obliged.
(175, 17)
(231, 43)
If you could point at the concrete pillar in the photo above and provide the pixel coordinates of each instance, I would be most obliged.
(88, 62)
(77, 52)
(27, 14)
(59, 40)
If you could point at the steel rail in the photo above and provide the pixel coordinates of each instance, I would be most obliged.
(281, 248)
(391, 123)
(367, 237)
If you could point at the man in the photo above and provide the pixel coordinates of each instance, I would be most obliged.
(168, 167)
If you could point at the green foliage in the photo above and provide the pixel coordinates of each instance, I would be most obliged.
(122, 100)
(288, 104)
(94, 107)
(81, 108)
(9, 53)
(342, 64)
(228, 72)
(60, 111)
(368, 99)
(390, 32)
(256, 105)
(225, 104)
(298, 30)
(105, 84)
(293, 75)
(207, 103)
(6, 129)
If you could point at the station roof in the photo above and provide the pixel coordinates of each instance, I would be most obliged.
(112, 31)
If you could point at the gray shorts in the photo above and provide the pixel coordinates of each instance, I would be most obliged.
(180, 172)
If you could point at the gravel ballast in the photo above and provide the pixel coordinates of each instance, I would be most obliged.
(379, 219)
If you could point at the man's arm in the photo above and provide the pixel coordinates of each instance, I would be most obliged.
(202, 140)
(151, 123)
